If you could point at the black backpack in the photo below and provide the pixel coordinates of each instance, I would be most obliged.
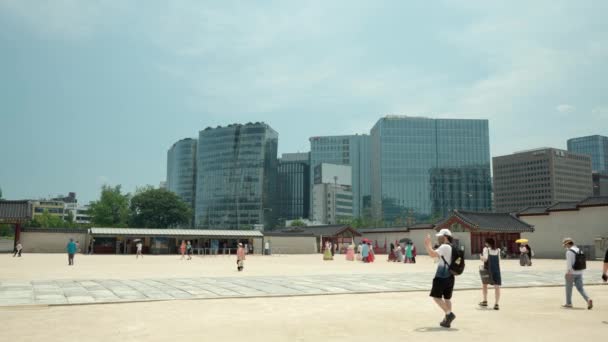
(580, 260)
(457, 266)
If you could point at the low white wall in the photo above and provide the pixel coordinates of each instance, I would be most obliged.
(292, 244)
(47, 242)
(584, 226)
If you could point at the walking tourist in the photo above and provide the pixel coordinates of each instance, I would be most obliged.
(71, 249)
(18, 249)
(267, 248)
(139, 247)
(524, 255)
(240, 257)
(359, 251)
(491, 264)
(77, 246)
(371, 256)
(189, 250)
(365, 252)
(91, 246)
(575, 266)
(182, 250)
(327, 254)
(391, 253)
(414, 252)
(605, 272)
(409, 253)
(443, 283)
(350, 252)
(399, 254)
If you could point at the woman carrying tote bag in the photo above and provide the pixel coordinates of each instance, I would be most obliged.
(490, 273)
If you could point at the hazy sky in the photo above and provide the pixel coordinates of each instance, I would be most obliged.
(95, 92)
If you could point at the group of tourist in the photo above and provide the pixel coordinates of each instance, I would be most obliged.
(405, 254)
(444, 280)
(186, 250)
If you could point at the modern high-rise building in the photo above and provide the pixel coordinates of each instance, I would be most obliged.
(293, 186)
(332, 192)
(595, 146)
(540, 177)
(600, 184)
(236, 184)
(181, 170)
(352, 150)
(423, 168)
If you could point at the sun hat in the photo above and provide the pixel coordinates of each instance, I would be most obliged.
(567, 240)
(444, 232)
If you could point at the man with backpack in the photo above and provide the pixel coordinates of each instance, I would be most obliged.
(451, 263)
(576, 263)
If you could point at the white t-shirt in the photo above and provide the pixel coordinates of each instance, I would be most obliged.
(494, 252)
(570, 259)
(267, 245)
(139, 247)
(444, 251)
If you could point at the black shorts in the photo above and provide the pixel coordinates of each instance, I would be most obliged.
(443, 288)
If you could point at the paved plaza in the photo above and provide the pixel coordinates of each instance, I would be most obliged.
(277, 278)
(280, 298)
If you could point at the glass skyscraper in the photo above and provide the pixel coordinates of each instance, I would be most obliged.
(294, 186)
(181, 170)
(422, 168)
(237, 175)
(353, 150)
(596, 146)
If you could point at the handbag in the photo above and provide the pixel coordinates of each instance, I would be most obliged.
(484, 272)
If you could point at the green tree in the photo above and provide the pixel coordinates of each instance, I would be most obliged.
(70, 218)
(298, 223)
(158, 208)
(112, 209)
(46, 220)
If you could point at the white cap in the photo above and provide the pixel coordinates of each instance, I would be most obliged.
(444, 232)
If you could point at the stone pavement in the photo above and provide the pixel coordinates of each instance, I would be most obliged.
(65, 292)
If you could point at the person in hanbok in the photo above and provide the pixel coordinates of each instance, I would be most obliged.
(391, 255)
(350, 252)
(365, 252)
(371, 257)
(399, 254)
(327, 254)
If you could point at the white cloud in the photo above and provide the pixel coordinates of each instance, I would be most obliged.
(565, 108)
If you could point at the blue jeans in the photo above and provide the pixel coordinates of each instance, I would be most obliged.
(575, 280)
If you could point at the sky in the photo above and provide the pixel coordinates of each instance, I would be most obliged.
(96, 92)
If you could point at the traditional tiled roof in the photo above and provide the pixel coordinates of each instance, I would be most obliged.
(327, 230)
(533, 211)
(55, 230)
(594, 201)
(563, 206)
(383, 230)
(176, 232)
(491, 222)
(15, 211)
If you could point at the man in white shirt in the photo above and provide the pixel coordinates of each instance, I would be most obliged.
(443, 283)
(574, 277)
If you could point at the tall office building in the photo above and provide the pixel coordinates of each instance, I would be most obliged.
(236, 176)
(595, 146)
(332, 193)
(181, 170)
(540, 177)
(422, 168)
(352, 150)
(294, 186)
